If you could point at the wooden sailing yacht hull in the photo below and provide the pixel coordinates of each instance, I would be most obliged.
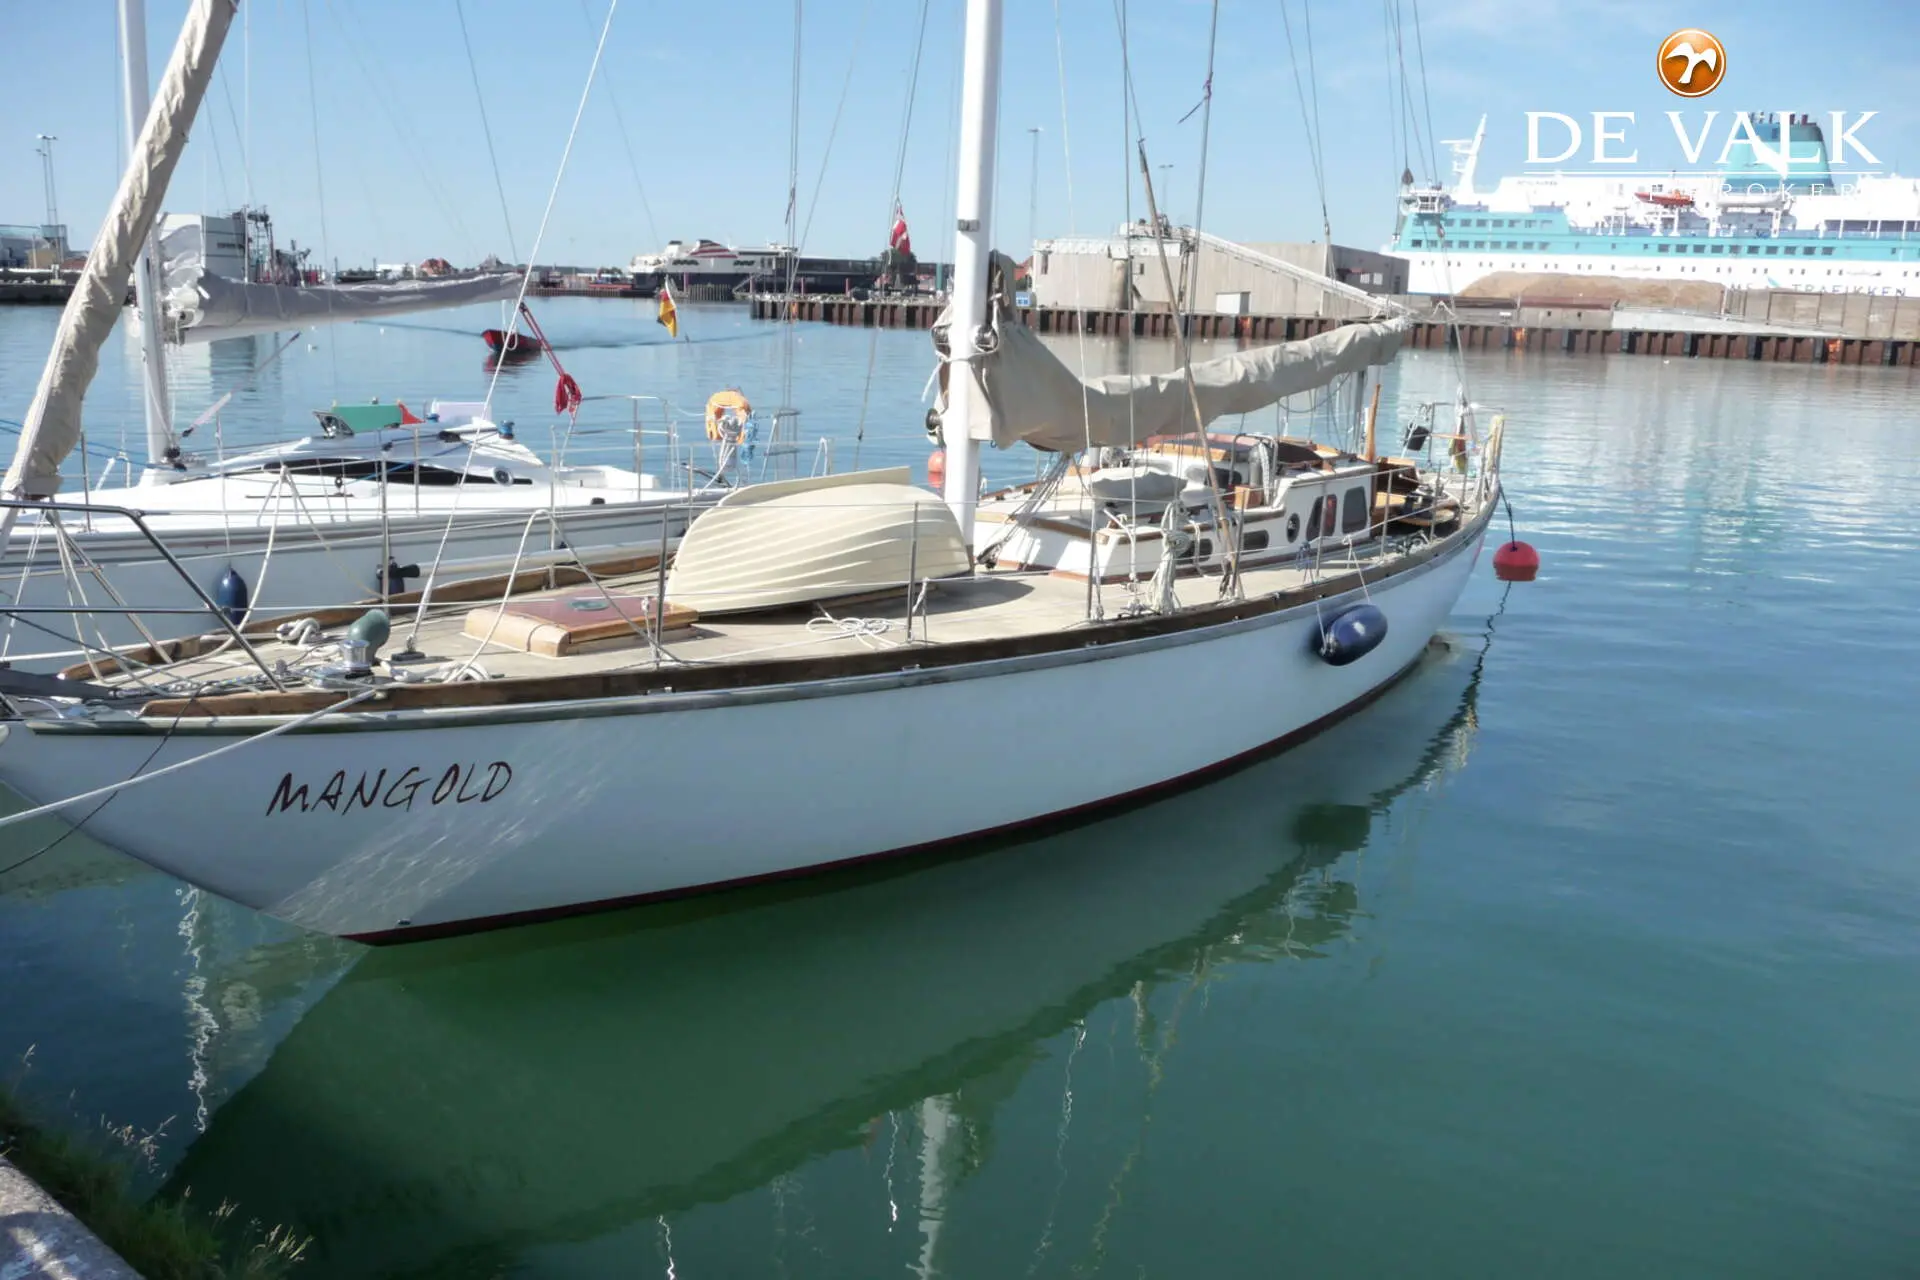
(384, 826)
(610, 1073)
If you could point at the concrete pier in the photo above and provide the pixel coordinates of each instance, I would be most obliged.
(39, 1240)
(1849, 329)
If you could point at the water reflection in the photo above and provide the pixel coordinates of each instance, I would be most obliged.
(452, 1108)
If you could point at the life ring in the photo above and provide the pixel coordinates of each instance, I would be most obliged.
(727, 414)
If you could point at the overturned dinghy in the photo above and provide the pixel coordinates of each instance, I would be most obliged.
(825, 538)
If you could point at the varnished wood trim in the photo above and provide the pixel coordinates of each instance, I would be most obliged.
(764, 673)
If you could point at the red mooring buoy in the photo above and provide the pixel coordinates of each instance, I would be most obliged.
(1516, 562)
(937, 470)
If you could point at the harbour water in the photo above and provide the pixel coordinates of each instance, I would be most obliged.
(1592, 949)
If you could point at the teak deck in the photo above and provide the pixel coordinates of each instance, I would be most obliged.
(994, 614)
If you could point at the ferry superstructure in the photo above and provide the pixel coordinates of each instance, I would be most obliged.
(1763, 219)
(686, 263)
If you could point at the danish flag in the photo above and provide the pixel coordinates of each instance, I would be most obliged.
(898, 240)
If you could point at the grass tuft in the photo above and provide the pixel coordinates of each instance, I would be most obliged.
(162, 1238)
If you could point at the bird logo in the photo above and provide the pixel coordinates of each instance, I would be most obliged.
(1692, 62)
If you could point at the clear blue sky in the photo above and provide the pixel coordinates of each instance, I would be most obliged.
(704, 92)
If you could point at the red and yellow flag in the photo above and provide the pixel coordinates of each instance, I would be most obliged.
(669, 314)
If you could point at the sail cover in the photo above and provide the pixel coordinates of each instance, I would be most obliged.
(52, 424)
(1027, 395)
(204, 307)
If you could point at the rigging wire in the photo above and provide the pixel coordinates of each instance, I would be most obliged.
(1395, 137)
(949, 229)
(826, 155)
(899, 176)
(626, 142)
(486, 129)
(416, 155)
(1426, 90)
(319, 178)
(1319, 134)
(1191, 284)
(793, 210)
(1094, 606)
(213, 136)
(1308, 119)
(526, 278)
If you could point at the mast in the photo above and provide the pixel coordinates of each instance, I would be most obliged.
(972, 250)
(52, 425)
(146, 271)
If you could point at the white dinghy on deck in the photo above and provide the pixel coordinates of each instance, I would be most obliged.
(600, 759)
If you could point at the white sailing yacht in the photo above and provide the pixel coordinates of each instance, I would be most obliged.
(328, 517)
(834, 669)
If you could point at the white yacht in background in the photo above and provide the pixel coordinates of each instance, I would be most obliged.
(1771, 216)
(320, 520)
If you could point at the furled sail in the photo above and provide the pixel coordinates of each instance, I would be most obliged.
(1027, 395)
(52, 426)
(203, 307)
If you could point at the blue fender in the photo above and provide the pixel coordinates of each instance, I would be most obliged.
(230, 593)
(1349, 635)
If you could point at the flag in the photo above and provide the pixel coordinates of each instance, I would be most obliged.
(898, 240)
(669, 314)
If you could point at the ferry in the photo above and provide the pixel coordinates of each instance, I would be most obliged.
(1765, 219)
(688, 263)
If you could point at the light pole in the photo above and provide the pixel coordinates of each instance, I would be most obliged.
(45, 150)
(1033, 189)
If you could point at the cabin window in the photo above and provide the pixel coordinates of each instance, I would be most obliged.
(1293, 527)
(1666, 248)
(397, 472)
(1353, 515)
(1772, 249)
(1827, 252)
(1753, 249)
(1254, 540)
(1313, 521)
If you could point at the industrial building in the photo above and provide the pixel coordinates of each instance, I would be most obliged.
(32, 246)
(1120, 273)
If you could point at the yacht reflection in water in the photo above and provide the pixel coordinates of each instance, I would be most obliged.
(450, 1107)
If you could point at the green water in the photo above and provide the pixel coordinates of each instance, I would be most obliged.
(1592, 949)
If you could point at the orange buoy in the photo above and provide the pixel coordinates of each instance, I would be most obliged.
(1516, 562)
(937, 470)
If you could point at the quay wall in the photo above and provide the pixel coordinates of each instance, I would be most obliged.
(1823, 329)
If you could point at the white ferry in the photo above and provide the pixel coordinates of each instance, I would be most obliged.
(708, 261)
(1766, 219)
(686, 263)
